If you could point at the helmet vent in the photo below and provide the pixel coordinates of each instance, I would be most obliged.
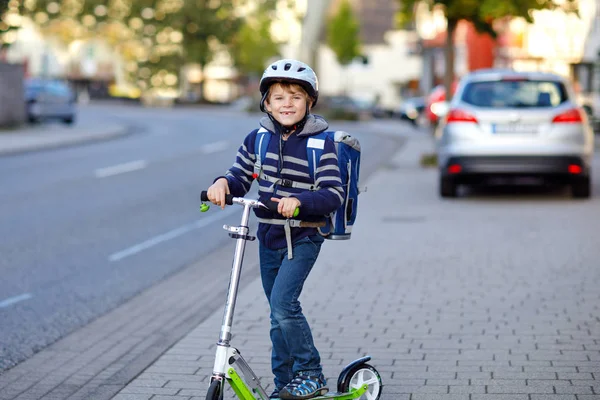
(287, 66)
(301, 69)
(274, 67)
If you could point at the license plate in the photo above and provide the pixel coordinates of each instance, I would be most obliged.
(514, 128)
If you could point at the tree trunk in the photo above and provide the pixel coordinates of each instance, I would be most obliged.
(449, 56)
(201, 84)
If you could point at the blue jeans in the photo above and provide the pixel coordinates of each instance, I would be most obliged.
(283, 279)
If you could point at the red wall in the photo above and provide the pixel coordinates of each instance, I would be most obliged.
(480, 49)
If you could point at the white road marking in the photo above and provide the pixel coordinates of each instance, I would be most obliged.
(214, 147)
(141, 164)
(201, 223)
(121, 168)
(13, 300)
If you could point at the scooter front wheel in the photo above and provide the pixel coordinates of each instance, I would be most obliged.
(214, 391)
(360, 375)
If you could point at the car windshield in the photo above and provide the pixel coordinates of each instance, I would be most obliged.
(515, 94)
(58, 89)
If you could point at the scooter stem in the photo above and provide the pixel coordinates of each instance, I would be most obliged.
(234, 281)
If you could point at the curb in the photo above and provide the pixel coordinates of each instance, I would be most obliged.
(13, 143)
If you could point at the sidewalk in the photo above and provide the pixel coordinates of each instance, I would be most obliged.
(52, 135)
(439, 326)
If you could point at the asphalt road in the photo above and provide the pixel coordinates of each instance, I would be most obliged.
(85, 228)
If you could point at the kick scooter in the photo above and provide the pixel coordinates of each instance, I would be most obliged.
(358, 380)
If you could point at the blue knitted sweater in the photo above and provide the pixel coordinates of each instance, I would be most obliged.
(288, 159)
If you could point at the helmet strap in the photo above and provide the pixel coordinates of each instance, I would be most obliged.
(262, 102)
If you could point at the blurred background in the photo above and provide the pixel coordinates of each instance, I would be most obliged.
(85, 228)
(376, 58)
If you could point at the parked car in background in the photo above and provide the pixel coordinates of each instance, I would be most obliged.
(411, 110)
(344, 107)
(49, 99)
(591, 104)
(509, 124)
(436, 105)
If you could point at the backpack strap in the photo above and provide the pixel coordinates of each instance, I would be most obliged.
(314, 150)
(261, 143)
(288, 224)
(315, 147)
(286, 182)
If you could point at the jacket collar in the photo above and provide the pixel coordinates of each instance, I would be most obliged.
(314, 124)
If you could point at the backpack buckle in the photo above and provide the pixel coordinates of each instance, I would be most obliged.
(286, 183)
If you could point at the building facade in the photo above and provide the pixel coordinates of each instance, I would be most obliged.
(389, 69)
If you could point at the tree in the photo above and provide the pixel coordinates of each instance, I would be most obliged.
(343, 34)
(3, 6)
(5, 24)
(206, 25)
(253, 46)
(482, 14)
(161, 35)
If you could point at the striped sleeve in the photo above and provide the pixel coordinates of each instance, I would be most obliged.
(239, 176)
(331, 194)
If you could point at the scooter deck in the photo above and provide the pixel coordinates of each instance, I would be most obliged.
(330, 395)
(326, 396)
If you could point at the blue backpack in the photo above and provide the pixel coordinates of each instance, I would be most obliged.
(338, 224)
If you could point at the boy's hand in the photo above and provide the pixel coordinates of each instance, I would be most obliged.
(287, 206)
(217, 191)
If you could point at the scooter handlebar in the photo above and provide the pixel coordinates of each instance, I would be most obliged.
(228, 197)
(269, 204)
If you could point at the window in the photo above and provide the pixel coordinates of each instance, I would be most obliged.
(515, 94)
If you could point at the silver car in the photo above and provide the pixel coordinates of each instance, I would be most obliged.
(503, 123)
(49, 99)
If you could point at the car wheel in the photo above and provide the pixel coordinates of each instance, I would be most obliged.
(581, 188)
(448, 187)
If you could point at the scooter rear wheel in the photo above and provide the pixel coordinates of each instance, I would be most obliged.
(364, 374)
(214, 391)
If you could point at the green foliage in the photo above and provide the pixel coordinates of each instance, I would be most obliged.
(3, 6)
(429, 160)
(160, 36)
(481, 13)
(253, 46)
(4, 27)
(205, 23)
(343, 34)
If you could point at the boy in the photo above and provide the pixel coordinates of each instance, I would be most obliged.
(287, 252)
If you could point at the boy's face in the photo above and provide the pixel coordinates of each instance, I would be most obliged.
(287, 103)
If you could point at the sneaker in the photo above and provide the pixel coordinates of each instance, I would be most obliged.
(275, 394)
(304, 387)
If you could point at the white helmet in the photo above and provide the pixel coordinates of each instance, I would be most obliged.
(289, 70)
